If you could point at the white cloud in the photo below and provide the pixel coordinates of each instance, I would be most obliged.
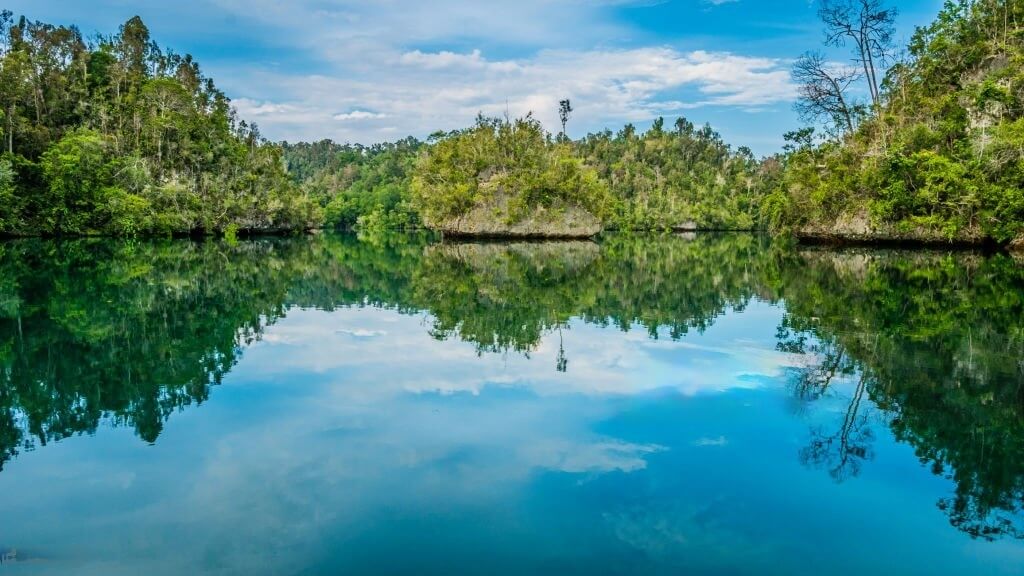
(372, 61)
(420, 92)
(359, 115)
(299, 68)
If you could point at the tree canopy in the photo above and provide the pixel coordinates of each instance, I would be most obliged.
(115, 135)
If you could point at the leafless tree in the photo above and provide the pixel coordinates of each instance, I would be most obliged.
(870, 26)
(823, 91)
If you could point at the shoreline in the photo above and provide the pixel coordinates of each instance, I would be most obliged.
(959, 244)
(832, 240)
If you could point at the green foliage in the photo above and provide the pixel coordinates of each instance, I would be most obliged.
(352, 183)
(515, 160)
(8, 176)
(123, 138)
(943, 154)
(681, 178)
(662, 179)
(76, 172)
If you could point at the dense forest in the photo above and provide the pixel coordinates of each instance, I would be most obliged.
(662, 179)
(116, 136)
(357, 186)
(936, 149)
(923, 145)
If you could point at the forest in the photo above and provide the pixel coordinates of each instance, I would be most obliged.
(923, 144)
(116, 136)
(679, 177)
(935, 151)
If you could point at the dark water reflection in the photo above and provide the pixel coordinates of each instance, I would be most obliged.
(702, 405)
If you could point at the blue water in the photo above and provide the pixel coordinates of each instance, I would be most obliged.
(353, 439)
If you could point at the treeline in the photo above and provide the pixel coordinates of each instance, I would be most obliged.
(114, 135)
(921, 145)
(355, 185)
(935, 150)
(683, 177)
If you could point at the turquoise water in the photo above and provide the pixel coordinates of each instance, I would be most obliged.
(393, 405)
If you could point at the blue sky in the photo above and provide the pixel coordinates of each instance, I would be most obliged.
(371, 71)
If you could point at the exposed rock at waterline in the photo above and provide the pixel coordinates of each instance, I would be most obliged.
(493, 219)
(858, 228)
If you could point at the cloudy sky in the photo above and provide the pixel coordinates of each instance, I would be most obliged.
(362, 71)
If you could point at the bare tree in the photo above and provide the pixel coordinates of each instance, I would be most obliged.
(823, 91)
(870, 26)
(564, 110)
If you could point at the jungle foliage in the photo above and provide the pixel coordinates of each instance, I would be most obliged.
(517, 159)
(660, 179)
(116, 136)
(356, 186)
(941, 149)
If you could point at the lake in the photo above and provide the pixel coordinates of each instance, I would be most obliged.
(702, 405)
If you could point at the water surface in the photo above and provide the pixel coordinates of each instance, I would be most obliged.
(394, 405)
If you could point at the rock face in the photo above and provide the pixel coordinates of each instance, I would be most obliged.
(858, 228)
(490, 220)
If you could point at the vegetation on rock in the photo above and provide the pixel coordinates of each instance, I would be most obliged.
(510, 168)
(938, 154)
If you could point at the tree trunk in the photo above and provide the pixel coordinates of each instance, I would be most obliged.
(10, 129)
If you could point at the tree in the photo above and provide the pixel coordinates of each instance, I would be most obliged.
(870, 26)
(7, 199)
(76, 172)
(799, 140)
(564, 110)
(120, 137)
(823, 91)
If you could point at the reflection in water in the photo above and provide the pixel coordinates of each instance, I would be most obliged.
(938, 342)
(926, 346)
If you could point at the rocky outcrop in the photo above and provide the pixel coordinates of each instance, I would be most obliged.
(492, 219)
(858, 228)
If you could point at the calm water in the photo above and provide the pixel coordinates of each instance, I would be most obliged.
(676, 405)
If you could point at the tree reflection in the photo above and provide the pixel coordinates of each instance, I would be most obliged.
(935, 343)
(926, 344)
(840, 450)
(844, 451)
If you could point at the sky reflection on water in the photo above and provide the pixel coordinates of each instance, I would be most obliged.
(354, 441)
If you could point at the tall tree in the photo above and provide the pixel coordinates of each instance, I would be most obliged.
(564, 110)
(870, 26)
(823, 91)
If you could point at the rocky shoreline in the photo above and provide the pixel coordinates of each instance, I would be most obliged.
(860, 230)
(496, 219)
